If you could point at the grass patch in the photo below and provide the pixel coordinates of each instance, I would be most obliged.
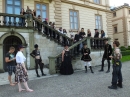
(125, 58)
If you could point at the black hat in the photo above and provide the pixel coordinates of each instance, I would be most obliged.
(21, 46)
(35, 46)
(95, 29)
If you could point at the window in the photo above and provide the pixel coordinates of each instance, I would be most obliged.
(74, 20)
(98, 22)
(97, 1)
(114, 14)
(115, 29)
(41, 9)
(13, 7)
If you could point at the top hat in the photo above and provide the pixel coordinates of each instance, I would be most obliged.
(95, 29)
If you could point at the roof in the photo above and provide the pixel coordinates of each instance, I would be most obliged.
(120, 7)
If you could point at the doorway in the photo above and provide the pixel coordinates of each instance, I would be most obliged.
(8, 42)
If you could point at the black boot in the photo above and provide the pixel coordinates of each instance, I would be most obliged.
(91, 69)
(102, 66)
(42, 72)
(120, 84)
(112, 87)
(108, 66)
(85, 69)
(37, 73)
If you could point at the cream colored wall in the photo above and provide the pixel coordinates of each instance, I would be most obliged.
(119, 24)
(1, 6)
(51, 12)
(77, 1)
(86, 17)
(119, 13)
(120, 38)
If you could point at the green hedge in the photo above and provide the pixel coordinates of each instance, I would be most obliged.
(125, 53)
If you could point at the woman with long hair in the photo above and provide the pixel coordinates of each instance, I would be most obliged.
(88, 33)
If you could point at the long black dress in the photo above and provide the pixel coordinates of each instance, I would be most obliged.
(66, 66)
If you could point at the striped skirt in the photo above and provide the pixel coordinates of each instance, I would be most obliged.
(20, 74)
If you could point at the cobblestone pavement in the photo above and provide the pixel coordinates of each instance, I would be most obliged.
(79, 84)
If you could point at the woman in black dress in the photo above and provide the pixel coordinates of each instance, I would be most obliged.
(86, 57)
(66, 66)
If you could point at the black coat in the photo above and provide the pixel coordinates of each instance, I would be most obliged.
(77, 37)
(96, 35)
(86, 57)
(81, 34)
(107, 51)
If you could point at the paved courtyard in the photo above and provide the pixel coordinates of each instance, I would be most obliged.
(79, 84)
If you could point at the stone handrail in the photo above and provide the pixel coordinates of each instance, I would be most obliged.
(63, 35)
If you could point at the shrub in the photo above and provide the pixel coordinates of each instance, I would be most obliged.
(125, 53)
(123, 49)
(128, 48)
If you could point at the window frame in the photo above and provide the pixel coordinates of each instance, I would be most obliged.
(97, 1)
(115, 31)
(47, 9)
(71, 10)
(114, 14)
(101, 23)
(13, 5)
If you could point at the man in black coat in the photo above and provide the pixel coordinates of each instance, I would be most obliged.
(96, 36)
(107, 53)
(76, 39)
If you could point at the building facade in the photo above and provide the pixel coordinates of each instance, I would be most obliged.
(121, 24)
(71, 15)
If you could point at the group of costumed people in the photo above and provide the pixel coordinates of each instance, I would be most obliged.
(66, 67)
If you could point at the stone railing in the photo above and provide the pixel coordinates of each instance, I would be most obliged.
(52, 33)
(14, 20)
(92, 43)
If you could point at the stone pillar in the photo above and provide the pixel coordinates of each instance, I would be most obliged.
(89, 43)
(1, 59)
(109, 25)
(52, 69)
(31, 48)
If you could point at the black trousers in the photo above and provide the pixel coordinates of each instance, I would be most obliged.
(108, 61)
(117, 74)
(38, 62)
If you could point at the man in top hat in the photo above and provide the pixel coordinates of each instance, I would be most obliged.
(38, 61)
(96, 33)
(107, 53)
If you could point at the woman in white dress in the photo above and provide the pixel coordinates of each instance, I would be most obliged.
(21, 71)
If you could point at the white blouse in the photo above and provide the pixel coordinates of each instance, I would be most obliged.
(20, 58)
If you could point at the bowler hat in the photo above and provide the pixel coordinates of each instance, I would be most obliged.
(95, 29)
